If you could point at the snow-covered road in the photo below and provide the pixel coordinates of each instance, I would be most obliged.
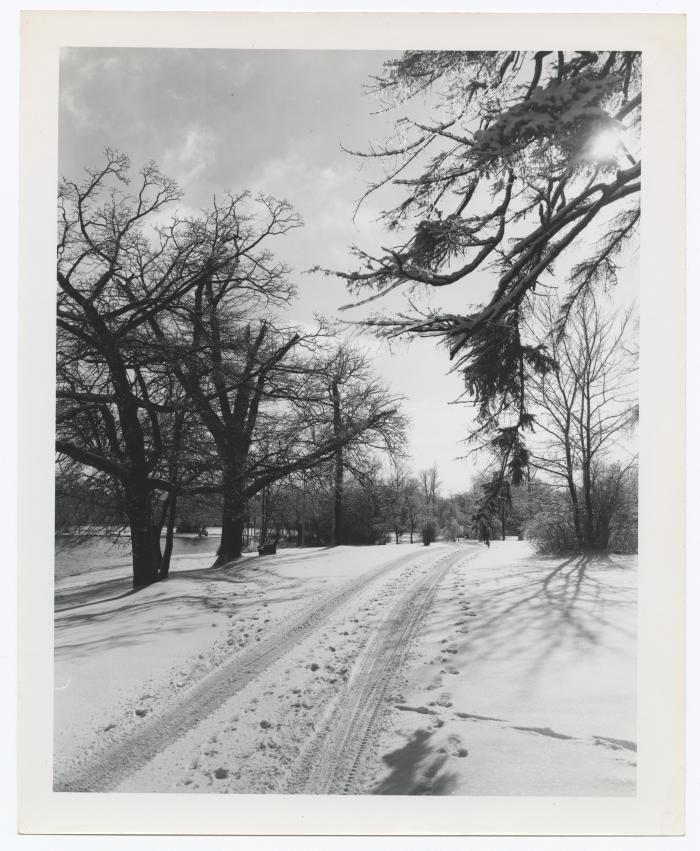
(394, 670)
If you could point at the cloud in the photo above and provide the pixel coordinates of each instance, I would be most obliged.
(75, 110)
(190, 155)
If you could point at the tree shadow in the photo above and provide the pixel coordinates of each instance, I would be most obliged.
(415, 770)
(89, 595)
(238, 572)
(110, 590)
(576, 600)
(142, 619)
(164, 607)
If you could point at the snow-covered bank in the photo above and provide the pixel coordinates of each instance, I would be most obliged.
(76, 555)
(519, 678)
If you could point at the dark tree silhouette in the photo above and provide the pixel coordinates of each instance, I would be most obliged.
(114, 275)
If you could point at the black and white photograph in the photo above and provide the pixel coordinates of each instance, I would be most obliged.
(358, 454)
(346, 468)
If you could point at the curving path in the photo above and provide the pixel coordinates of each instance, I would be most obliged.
(120, 760)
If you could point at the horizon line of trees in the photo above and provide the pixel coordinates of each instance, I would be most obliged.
(381, 506)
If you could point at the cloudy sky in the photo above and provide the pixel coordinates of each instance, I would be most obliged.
(273, 121)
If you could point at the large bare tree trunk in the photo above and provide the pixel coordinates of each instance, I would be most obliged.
(232, 521)
(231, 546)
(145, 533)
(145, 549)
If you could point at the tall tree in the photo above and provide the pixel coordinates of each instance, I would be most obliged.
(396, 491)
(115, 272)
(430, 486)
(531, 168)
(585, 406)
(224, 356)
(355, 393)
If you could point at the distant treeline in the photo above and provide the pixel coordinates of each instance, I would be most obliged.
(381, 508)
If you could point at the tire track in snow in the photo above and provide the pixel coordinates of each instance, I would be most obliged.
(115, 763)
(334, 762)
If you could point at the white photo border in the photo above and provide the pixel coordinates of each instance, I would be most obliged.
(657, 807)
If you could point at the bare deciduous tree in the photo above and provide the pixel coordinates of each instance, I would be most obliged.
(356, 394)
(585, 406)
(113, 276)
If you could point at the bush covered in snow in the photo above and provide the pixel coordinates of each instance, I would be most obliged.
(551, 533)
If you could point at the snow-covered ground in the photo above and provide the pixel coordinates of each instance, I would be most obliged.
(526, 674)
(401, 669)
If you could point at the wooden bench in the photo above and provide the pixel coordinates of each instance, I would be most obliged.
(267, 549)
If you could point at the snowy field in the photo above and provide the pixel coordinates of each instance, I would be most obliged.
(453, 669)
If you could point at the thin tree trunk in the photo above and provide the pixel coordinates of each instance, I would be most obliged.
(339, 468)
(169, 530)
(302, 524)
(338, 498)
(575, 509)
(573, 494)
(265, 514)
(587, 454)
(588, 505)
